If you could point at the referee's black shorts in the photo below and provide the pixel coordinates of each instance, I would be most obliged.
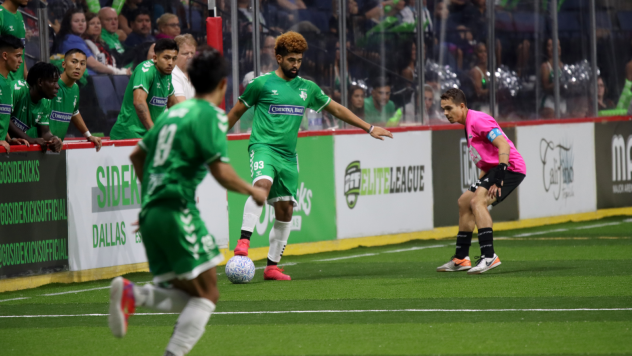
(512, 181)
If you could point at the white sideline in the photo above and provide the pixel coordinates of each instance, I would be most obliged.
(6, 300)
(342, 311)
(346, 257)
(415, 248)
(72, 291)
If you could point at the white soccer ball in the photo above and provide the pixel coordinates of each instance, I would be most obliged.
(240, 269)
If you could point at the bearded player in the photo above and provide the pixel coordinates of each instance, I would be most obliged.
(280, 99)
(502, 170)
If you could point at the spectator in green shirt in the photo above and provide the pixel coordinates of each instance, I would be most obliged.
(378, 108)
(110, 33)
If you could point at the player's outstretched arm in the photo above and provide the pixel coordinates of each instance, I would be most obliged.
(235, 113)
(347, 116)
(226, 176)
(138, 157)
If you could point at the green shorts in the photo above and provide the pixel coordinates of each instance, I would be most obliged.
(281, 170)
(176, 241)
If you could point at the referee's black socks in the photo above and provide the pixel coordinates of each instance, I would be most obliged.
(245, 235)
(463, 243)
(486, 240)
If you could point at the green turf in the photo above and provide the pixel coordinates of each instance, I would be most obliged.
(563, 266)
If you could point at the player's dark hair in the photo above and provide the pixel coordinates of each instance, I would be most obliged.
(206, 70)
(73, 51)
(380, 81)
(456, 95)
(140, 11)
(10, 42)
(166, 44)
(42, 71)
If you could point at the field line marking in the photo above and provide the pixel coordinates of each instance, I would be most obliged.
(281, 265)
(598, 225)
(8, 300)
(72, 291)
(415, 248)
(346, 257)
(540, 232)
(342, 311)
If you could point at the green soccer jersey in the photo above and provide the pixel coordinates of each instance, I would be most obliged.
(26, 114)
(279, 108)
(112, 41)
(13, 24)
(158, 88)
(6, 105)
(184, 140)
(64, 107)
(372, 115)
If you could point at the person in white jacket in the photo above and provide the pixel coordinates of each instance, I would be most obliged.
(179, 77)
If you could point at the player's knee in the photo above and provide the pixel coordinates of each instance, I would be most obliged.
(477, 202)
(464, 202)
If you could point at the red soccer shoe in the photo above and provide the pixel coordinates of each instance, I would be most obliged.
(242, 247)
(274, 273)
(122, 305)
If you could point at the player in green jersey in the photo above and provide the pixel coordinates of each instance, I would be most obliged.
(11, 49)
(12, 23)
(148, 92)
(280, 99)
(65, 106)
(171, 161)
(32, 107)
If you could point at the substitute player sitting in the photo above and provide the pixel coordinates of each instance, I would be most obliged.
(280, 99)
(502, 170)
(171, 161)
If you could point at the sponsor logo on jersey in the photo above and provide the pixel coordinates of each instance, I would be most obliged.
(59, 99)
(274, 92)
(11, 28)
(381, 181)
(60, 116)
(286, 110)
(158, 85)
(22, 126)
(5, 109)
(158, 101)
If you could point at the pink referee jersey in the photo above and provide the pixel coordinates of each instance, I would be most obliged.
(481, 130)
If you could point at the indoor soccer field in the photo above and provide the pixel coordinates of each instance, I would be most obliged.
(561, 289)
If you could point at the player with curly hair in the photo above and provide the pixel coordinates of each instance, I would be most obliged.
(280, 99)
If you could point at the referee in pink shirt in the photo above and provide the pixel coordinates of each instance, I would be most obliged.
(502, 171)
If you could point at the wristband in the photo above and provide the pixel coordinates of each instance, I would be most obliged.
(371, 129)
(87, 134)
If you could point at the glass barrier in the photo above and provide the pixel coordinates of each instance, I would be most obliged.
(614, 57)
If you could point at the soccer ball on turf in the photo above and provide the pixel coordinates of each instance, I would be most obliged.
(240, 269)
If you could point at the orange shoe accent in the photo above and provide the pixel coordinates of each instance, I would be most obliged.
(242, 247)
(462, 263)
(274, 273)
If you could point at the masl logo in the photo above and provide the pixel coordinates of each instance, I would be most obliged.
(621, 164)
(383, 180)
(557, 168)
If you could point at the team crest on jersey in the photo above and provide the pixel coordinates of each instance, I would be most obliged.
(59, 99)
(304, 95)
(274, 92)
(11, 28)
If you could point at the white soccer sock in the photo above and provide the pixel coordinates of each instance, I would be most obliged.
(278, 239)
(190, 326)
(252, 212)
(161, 299)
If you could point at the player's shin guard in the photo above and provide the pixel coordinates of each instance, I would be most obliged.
(486, 240)
(252, 212)
(463, 243)
(278, 239)
(161, 299)
(190, 326)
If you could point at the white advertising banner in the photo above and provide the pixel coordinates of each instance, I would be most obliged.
(383, 187)
(560, 163)
(104, 201)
